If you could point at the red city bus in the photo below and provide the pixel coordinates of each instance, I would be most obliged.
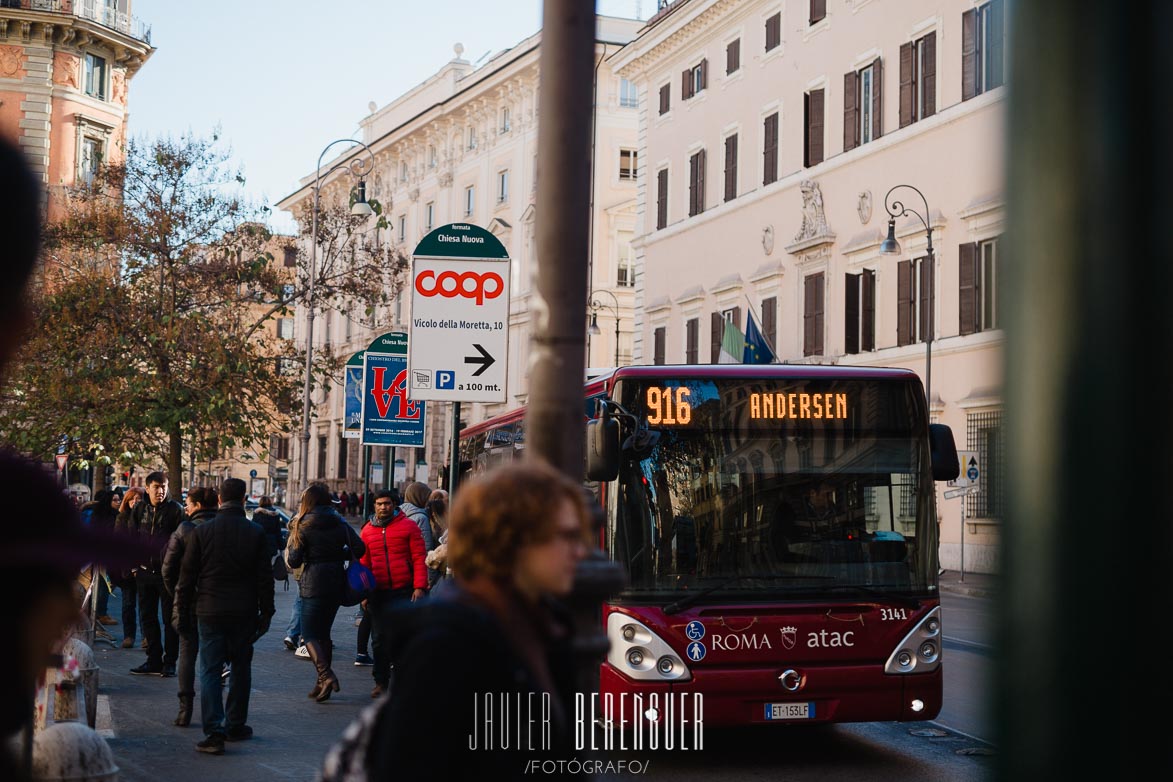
(778, 528)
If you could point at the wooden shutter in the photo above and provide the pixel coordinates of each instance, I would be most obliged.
(773, 31)
(812, 315)
(664, 97)
(907, 84)
(904, 303)
(969, 58)
(692, 184)
(770, 150)
(704, 73)
(686, 84)
(814, 128)
(877, 99)
(820, 304)
(924, 266)
(770, 322)
(718, 333)
(996, 44)
(818, 10)
(928, 74)
(733, 57)
(692, 333)
(662, 198)
(658, 345)
(700, 181)
(850, 110)
(736, 317)
(731, 167)
(969, 278)
(868, 332)
(851, 315)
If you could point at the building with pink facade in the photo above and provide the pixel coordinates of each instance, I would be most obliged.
(770, 132)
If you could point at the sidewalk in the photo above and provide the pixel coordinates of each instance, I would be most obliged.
(292, 733)
(983, 585)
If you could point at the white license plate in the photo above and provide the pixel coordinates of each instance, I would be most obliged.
(790, 711)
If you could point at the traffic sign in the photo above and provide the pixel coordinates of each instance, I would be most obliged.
(459, 316)
(252, 473)
(62, 460)
(971, 469)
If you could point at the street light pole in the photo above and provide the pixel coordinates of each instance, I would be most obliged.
(593, 330)
(358, 168)
(890, 246)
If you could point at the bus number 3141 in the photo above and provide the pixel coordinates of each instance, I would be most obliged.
(668, 405)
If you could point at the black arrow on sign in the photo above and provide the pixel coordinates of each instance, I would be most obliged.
(484, 359)
(972, 461)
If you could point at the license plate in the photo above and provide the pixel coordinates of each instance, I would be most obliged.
(790, 711)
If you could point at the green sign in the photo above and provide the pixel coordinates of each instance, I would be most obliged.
(461, 240)
(393, 342)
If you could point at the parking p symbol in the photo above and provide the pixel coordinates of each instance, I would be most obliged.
(445, 379)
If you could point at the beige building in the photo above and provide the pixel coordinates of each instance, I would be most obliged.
(770, 133)
(462, 147)
(65, 71)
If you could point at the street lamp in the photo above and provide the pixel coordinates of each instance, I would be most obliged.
(357, 167)
(593, 329)
(892, 247)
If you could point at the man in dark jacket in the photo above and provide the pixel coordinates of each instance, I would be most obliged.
(201, 507)
(157, 519)
(270, 522)
(227, 576)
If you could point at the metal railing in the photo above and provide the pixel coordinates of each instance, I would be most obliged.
(100, 11)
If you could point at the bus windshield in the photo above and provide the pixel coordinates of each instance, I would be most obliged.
(757, 489)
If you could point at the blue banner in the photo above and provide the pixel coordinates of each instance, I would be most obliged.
(388, 416)
(352, 411)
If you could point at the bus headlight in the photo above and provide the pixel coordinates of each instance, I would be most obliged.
(640, 654)
(925, 638)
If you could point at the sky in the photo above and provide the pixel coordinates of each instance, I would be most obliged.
(281, 80)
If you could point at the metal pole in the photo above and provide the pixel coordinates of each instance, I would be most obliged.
(964, 497)
(616, 337)
(366, 479)
(454, 455)
(304, 463)
(932, 319)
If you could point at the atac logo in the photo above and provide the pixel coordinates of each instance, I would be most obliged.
(468, 285)
(789, 637)
(396, 393)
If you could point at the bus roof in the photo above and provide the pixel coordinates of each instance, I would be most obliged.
(608, 378)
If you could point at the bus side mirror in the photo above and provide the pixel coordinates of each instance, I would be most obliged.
(943, 453)
(602, 448)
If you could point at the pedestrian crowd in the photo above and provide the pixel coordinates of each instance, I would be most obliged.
(431, 583)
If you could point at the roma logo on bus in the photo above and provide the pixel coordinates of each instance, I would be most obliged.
(789, 637)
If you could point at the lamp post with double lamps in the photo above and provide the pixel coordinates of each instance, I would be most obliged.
(594, 330)
(357, 167)
(890, 246)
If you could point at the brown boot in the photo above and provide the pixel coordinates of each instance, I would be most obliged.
(315, 651)
(183, 719)
(323, 654)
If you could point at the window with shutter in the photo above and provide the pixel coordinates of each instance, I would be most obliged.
(716, 334)
(732, 56)
(927, 61)
(875, 122)
(969, 54)
(812, 315)
(818, 10)
(770, 322)
(991, 46)
(851, 314)
(968, 301)
(988, 284)
(696, 183)
(867, 337)
(904, 303)
(731, 167)
(665, 92)
(774, 31)
(908, 114)
(662, 198)
(686, 84)
(813, 110)
(924, 300)
(658, 340)
(290, 256)
(691, 341)
(850, 110)
(770, 149)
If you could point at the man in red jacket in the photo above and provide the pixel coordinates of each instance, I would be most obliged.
(395, 554)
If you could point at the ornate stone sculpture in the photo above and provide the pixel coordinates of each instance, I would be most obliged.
(814, 220)
(864, 207)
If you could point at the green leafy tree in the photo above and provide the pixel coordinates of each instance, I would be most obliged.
(157, 325)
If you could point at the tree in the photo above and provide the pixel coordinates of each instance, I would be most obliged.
(161, 295)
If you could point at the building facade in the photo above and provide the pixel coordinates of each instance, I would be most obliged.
(770, 133)
(65, 72)
(462, 147)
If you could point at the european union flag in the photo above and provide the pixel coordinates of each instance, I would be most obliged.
(757, 350)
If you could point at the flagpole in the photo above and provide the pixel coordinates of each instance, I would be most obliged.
(773, 349)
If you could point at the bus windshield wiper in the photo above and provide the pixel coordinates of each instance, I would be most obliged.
(691, 599)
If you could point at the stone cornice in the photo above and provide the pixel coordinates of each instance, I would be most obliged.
(665, 39)
(66, 32)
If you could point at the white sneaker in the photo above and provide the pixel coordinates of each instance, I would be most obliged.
(302, 652)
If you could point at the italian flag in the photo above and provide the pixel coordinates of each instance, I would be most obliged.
(732, 345)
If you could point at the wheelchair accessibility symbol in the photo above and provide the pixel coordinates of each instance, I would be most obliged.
(695, 631)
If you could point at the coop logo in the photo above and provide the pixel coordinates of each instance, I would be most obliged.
(384, 395)
(468, 285)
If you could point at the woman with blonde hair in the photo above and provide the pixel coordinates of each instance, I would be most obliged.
(321, 542)
(516, 535)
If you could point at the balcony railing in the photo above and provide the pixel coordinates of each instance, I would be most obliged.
(100, 11)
